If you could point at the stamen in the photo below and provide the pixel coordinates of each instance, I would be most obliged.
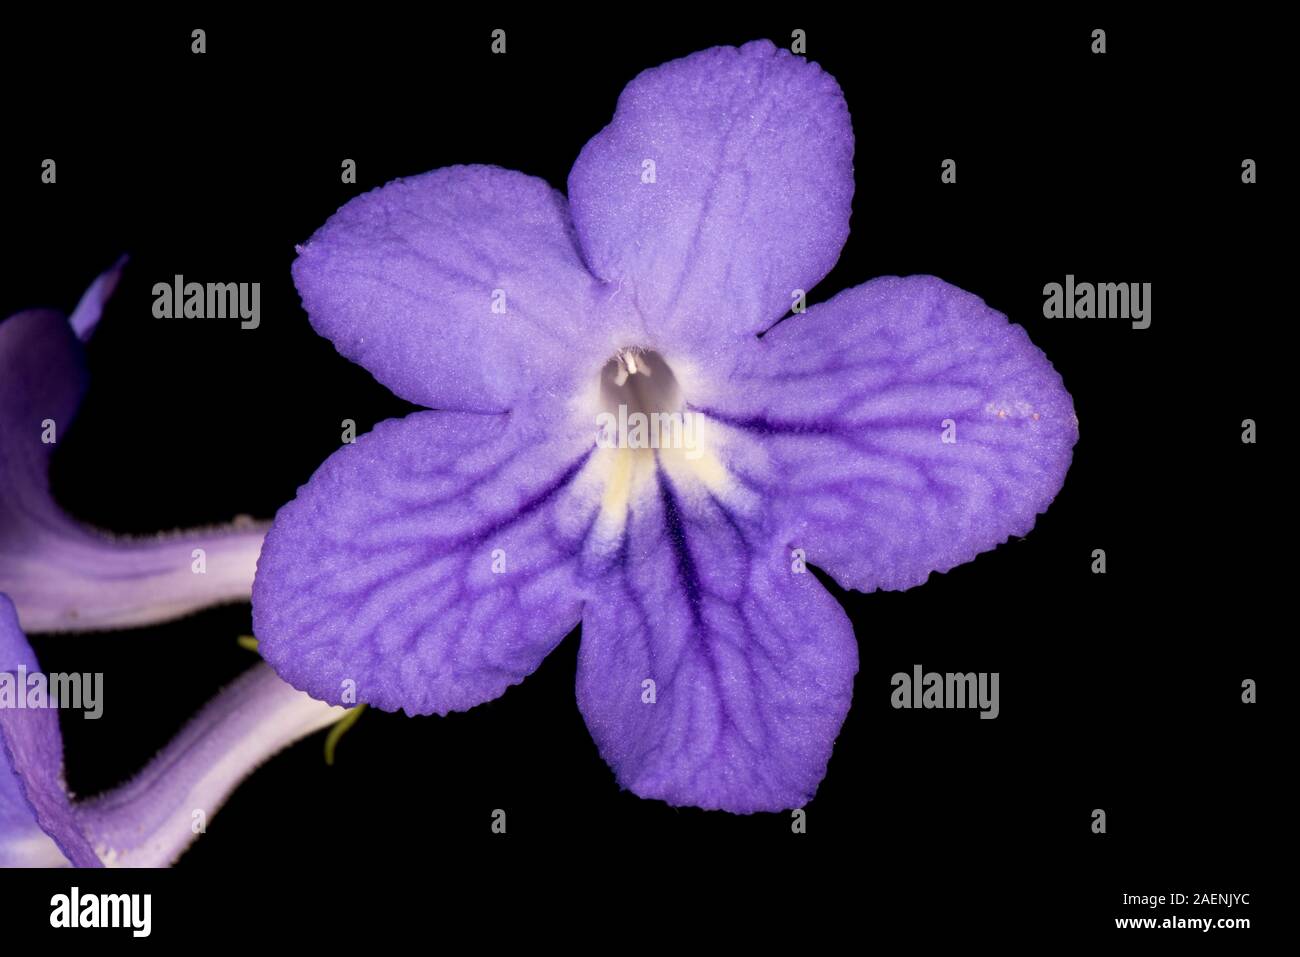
(625, 379)
(341, 728)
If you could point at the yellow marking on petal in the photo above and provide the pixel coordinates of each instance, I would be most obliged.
(699, 465)
(708, 468)
(618, 483)
(247, 642)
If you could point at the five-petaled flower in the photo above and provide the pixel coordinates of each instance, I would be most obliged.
(898, 429)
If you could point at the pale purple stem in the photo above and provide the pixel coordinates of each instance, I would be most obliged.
(149, 821)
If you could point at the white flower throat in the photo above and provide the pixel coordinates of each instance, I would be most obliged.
(643, 408)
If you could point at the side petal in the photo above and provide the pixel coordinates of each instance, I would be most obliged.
(909, 428)
(150, 821)
(712, 674)
(747, 200)
(427, 567)
(61, 575)
(31, 753)
(459, 289)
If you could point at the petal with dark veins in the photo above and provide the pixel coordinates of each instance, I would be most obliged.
(713, 671)
(905, 427)
(429, 565)
(749, 200)
(459, 289)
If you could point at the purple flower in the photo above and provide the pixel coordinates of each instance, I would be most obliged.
(899, 429)
(61, 575)
(150, 820)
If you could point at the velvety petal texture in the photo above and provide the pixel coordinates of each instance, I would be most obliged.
(713, 671)
(747, 198)
(911, 426)
(61, 575)
(459, 289)
(427, 567)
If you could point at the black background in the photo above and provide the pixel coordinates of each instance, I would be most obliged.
(1119, 691)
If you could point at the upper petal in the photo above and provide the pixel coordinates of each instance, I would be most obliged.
(460, 289)
(429, 563)
(909, 427)
(713, 671)
(752, 153)
(31, 749)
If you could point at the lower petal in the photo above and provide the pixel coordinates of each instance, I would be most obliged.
(713, 672)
